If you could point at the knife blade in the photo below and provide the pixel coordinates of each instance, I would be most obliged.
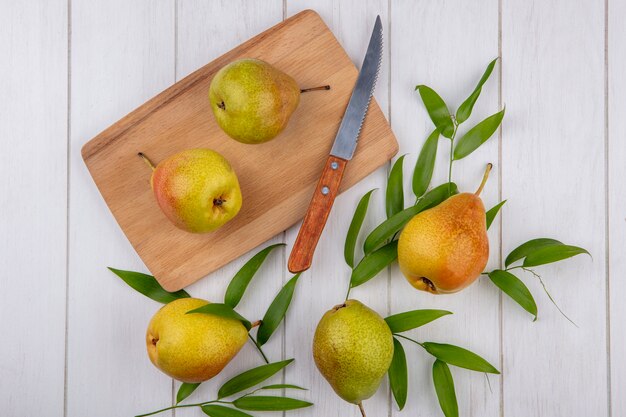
(342, 151)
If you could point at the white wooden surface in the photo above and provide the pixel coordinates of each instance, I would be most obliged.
(73, 334)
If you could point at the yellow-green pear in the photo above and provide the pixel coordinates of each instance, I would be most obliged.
(353, 348)
(252, 100)
(444, 249)
(196, 189)
(192, 347)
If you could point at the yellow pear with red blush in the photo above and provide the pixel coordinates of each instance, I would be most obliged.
(197, 189)
(444, 249)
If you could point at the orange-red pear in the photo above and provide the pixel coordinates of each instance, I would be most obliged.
(444, 249)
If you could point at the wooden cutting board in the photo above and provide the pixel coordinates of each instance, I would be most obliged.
(276, 178)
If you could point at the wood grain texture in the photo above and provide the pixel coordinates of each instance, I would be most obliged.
(553, 171)
(325, 283)
(275, 193)
(202, 38)
(314, 220)
(616, 189)
(122, 54)
(553, 166)
(33, 206)
(451, 64)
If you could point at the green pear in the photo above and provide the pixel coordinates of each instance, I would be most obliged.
(353, 348)
(252, 101)
(196, 189)
(192, 347)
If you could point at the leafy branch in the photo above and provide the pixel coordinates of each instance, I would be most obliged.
(380, 244)
(219, 407)
(535, 252)
(444, 354)
(149, 286)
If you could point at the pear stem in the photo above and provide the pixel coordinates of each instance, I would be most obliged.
(485, 176)
(147, 160)
(361, 409)
(321, 87)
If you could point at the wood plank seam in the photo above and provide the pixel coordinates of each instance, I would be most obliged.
(166, 250)
(607, 220)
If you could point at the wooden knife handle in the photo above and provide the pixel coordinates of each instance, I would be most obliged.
(316, 215)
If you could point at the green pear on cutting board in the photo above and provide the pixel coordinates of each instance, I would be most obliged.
(196, 189)
(352, 349)
(253, 101)
(192, 347)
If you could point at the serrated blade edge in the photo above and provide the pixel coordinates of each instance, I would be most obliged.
(350, 128)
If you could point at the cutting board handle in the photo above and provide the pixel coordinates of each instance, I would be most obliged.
(316, 215)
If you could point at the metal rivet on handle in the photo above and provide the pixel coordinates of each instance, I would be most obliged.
(334, 165)
(325, 190)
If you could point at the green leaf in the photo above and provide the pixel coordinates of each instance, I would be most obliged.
(250, 378)
(276, 311)
(148, 286)
(185, 390)
(214, 410)
(514, 288)
(394, 201)
(221, 310)
(465, 109)
(527, 248)
(437, 110)
(492, 213)
(554, 253)
(285, 386)
(460, 357)
(385, 231)
(425, 165)
(355, 228)
(477, 135)
(269, 403)
(373, 263)
(412, 319)
(398, 374)
(242, 278)
(444, 386)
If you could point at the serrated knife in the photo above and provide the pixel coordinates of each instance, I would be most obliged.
(341, 152)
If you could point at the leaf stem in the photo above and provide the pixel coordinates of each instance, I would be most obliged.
(409, 339)
(183, 406)
(456, 126)
(488, 382)
(258, 348)
(451, 160)
(545, 289)
(349, 289)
